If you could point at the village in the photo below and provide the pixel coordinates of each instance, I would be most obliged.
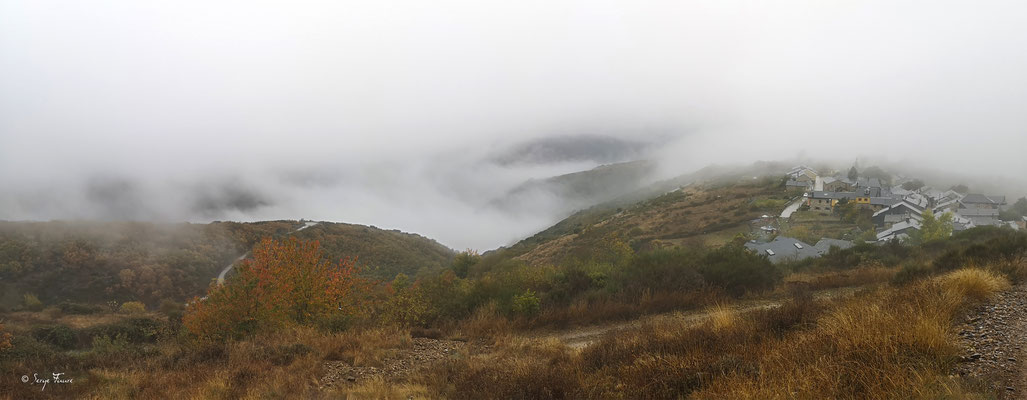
(892, 209)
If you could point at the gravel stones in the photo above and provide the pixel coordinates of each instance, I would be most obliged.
(992, 338)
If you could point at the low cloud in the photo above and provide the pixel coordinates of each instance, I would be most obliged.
(417, 117)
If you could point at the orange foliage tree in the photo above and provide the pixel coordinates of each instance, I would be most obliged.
(286, 282)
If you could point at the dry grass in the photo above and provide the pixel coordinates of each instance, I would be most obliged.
(585, 311)
(888, 342)
(863, 275)
(486, 322)
(377, 388)
(722, 317)
(973, 283)
(285, 364)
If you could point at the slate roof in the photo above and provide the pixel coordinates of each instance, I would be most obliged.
(824, 245)
(896, 229)
(884, 201)
(784, 248)
(977, 198)
(977, 212)
(985, 221)
(912, 208)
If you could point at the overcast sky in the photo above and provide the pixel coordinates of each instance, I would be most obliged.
(389, 112)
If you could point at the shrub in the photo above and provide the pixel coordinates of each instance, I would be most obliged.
(526, 303)
(59, 336)
(910, 272)
(107, 345)
(132, 307)
(134, 330)
(738, 270)
(79, 309)
(463, 262)
(31, 302)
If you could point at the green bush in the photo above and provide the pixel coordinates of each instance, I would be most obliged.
(661, 269)
(738, 270)
(134, 330)
(526, 303)
(912, 272)
(59, 336)
(104, 344)
(31, 302)
(463, 262)
(132, 307)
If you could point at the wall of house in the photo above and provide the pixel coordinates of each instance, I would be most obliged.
(821, 205)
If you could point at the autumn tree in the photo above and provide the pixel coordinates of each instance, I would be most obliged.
(285, 282)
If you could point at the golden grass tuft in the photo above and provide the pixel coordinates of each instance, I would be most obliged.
(722, 317)
(973, 283)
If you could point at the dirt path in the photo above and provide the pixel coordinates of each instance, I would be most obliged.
(582, 337)
(994, 338)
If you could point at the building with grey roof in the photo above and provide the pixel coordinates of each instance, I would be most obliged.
(825, 245)
(900, 211)
(977, 200)
(899, 231)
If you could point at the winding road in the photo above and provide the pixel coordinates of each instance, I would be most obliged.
(221, 276)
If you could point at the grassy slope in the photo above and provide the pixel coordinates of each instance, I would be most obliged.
(705, 214)
(382, 253)
(95, 262)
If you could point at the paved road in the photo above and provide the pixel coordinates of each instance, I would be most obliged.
(221, 276)
(787, 213)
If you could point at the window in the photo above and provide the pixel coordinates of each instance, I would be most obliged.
(798, 246)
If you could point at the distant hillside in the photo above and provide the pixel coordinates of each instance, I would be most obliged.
(571, 148)
(382, 253)
(706, 207)
(96, 262)
(566, 193)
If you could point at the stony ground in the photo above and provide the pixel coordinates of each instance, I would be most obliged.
(994, 339)
(423, 353)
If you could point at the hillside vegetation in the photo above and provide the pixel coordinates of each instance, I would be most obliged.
(381, 253)
(100, 262)
(697, 215)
